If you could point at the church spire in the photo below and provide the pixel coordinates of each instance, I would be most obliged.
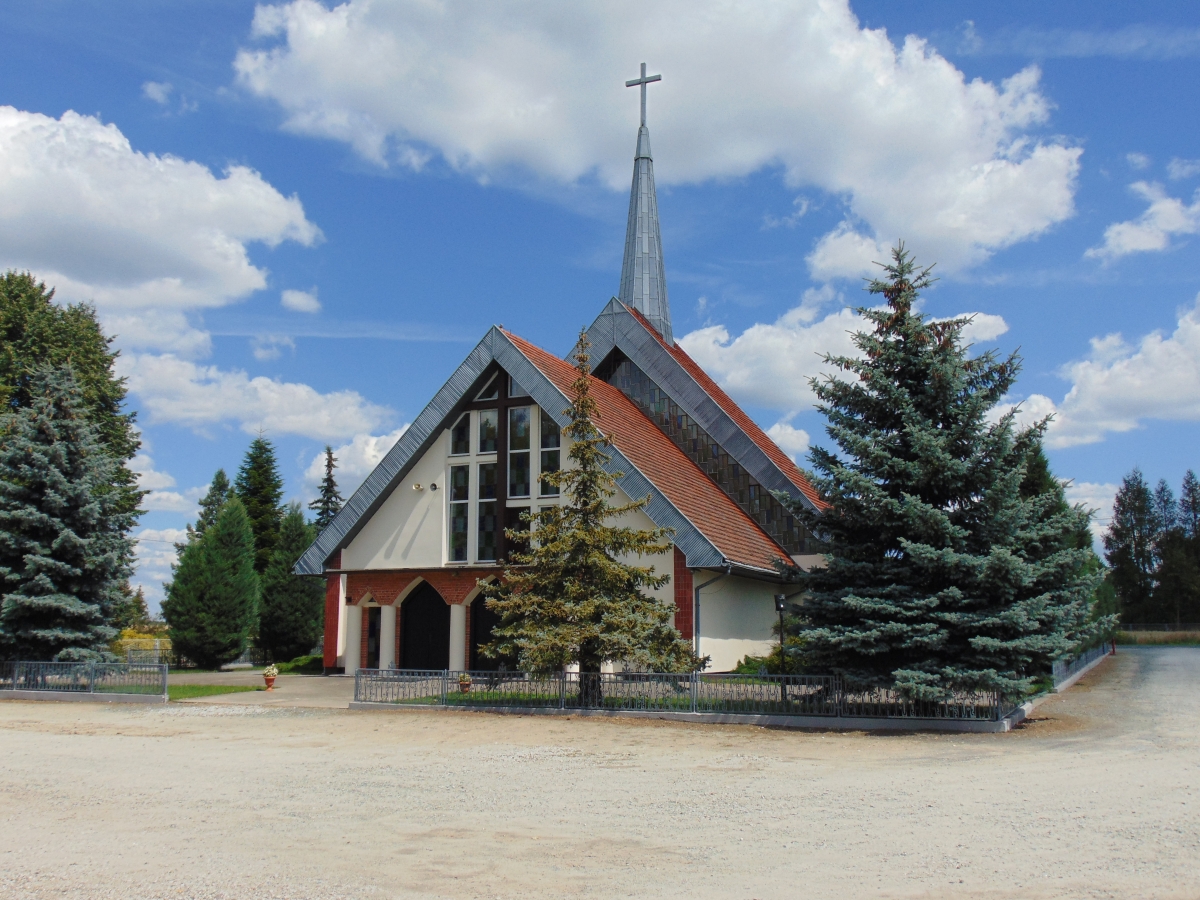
(643, 278)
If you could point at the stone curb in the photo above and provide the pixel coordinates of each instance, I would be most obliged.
(82, 696)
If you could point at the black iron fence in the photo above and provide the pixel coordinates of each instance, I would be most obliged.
(1065, 668)
(757, 695)
(84, 677)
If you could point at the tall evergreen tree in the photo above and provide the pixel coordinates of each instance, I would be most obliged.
(210, 505)
(35, 331)
(1130, 547)
(940, 575)
(64, 550)
(212, 601)
(1166, 508)
(1189, 505)
(260, 488)
(328, 501)
(566, 596)
(291, 613)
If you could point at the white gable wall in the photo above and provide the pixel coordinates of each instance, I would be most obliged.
(736, 616)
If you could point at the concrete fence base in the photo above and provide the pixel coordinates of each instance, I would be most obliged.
(82, 696)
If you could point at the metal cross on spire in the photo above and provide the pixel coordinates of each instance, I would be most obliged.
(643, 81)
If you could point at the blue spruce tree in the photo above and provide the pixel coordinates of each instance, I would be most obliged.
(941, 574)
(64, 519)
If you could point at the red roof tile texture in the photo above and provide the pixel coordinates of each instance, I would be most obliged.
(789, 469)
(735, 534)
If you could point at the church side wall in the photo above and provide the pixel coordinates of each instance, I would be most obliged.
(663, 564)
(736, 615)
(407, 530)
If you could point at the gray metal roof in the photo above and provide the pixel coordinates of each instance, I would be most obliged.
(643, 275)
(616, 328)
(435, 417)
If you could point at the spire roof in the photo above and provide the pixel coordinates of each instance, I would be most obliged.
(643, 277)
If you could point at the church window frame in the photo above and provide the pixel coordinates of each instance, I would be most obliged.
(459, 497)
(491, 390)
(520, 440)
(549, 445)
(489, 431)
(486, 545)
(460, 436)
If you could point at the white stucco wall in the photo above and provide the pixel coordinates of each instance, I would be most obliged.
(663, 564)
(736, 615)
(407, 531)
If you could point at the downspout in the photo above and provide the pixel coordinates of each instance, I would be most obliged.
(696, 605)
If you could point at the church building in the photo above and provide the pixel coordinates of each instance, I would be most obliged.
(404, 558)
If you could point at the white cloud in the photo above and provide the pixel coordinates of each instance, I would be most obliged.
(158, 91)
(155, 554)
(1097, 497)
(271, 346)
(1153, 229)
(148, 478)
(1137, 160)
(770, 365)
(301, 301)
(800, 208)
(506, 89)
(1119, 386)
(1129, 42)
(178, 390)
(792, 441)
(355, 461)
(1183, 168)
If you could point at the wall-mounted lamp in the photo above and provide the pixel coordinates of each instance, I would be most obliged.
(417, 487)
(433, 487)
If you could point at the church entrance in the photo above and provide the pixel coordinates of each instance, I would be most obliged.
(424, 630)
(483, 620)
(374, 620)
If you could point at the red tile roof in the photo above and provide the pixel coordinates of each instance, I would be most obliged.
(789, 469)
(656, 456)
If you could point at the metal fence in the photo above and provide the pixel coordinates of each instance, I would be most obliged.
(1159, 626)
(84, 677)
(1065, 668)
(787, 695)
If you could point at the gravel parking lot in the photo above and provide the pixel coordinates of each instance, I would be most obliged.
(1096, 797)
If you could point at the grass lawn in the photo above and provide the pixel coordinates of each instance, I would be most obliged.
(188, 691)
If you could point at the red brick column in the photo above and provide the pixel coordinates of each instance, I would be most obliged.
(683, 595)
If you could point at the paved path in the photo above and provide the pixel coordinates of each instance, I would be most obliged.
(1096, 797)
(311, 691)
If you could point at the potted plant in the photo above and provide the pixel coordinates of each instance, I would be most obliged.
(464, 682)
(270, 673)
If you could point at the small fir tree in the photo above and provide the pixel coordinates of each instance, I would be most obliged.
(34, 332)
(328, 501)
(131, 611)
(940, 575)
(290, 615)
(260, 488)
(566, 595)
(65, 553)
(1129, 547)
(212, 601)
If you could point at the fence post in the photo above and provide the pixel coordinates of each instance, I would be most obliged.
(562, 690)
(839, 698)
(91, 674)
(445, 680)
(695, 688)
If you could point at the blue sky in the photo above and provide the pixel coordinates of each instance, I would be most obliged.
(300, 218)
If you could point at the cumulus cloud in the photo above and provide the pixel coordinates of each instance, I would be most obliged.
(158, 91)
(792, 441)
(1183, 168)
(482, 86)
(1119, 385)
(181, 391)
(355, 461)
(1152, 231)
(271, 346)
(770, 364)
(1097, 498)
(301, 301)
(1137, 160)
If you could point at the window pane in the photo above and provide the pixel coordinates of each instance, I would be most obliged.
(515, 390)
(460, 435)
(491, 390)
(513, 519)
(549, 464)
(518, 474)
(487, 531)
(551, 434)
(489, 419)
(518, 428)
(460, 482)
(458, 532)
(487, 481)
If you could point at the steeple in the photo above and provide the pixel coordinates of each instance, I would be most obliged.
(643, 278)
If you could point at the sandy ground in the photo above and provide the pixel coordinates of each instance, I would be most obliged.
(1097, 797)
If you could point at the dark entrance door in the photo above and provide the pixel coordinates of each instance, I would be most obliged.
(374, 620)
(424, 630)
(483, 620)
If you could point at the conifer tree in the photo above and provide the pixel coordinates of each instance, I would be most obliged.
(260, 488)
(64, 550)
(212, 601)
(131, 610)
(210, 504)
(291, 613)
(34, 332)
(328, 501)
(940, 576)
(1189, 505)
(1130, 547)
(566, 596)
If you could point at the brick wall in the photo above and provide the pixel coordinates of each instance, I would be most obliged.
(683, 595)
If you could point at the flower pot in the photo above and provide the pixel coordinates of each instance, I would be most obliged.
(464, 686)
(270, 680)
